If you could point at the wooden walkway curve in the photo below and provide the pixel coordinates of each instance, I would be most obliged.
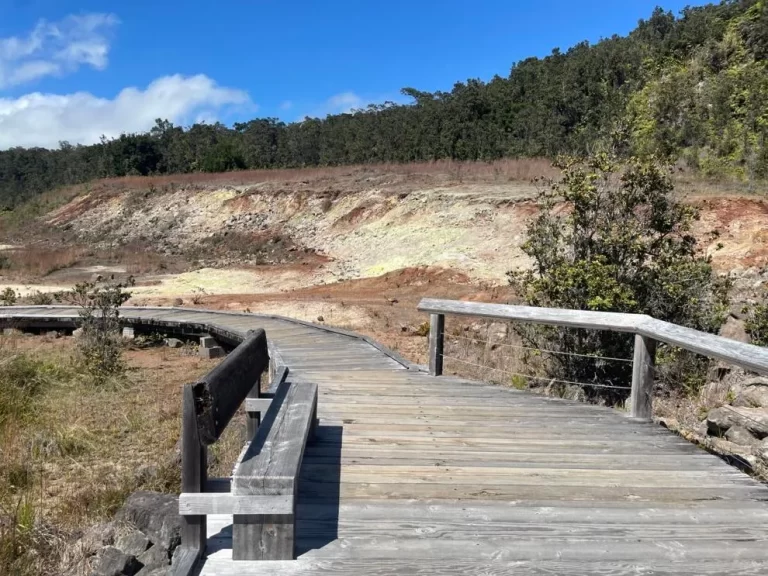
(411, 474)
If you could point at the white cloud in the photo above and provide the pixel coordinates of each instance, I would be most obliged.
(56, 48)
(337, 104)
(287, 105)
(45, 119)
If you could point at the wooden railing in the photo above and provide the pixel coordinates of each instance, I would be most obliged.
(647, 330)
(262, 493)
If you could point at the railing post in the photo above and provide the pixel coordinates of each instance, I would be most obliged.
(436, 333)
(642, 377)
(194, 464)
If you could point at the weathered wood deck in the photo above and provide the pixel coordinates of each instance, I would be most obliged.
(411, 474)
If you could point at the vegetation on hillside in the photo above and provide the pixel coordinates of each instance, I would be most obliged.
(622, 245)
(693, 87)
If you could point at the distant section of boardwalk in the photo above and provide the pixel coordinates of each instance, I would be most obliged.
(411, 474)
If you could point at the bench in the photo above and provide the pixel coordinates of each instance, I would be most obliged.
(261, 495)
(268, 471)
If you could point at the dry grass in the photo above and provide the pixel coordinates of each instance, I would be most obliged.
(71, 455)
(36, 261)
(509, 169)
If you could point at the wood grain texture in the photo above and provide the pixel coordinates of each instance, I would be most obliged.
(409, 474)
(191, 504)
(744, 355)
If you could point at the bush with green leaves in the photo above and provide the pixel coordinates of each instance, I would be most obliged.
(8, 297)
(757, 324)
(101, 343)
(614, 238)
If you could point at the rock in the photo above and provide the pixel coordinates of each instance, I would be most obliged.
(320, 319)
(735, 330)
(755, 420)
(178, 302)
(761, 451)
(154, 571)
(174, 343)
(752, 397)
(113, 562)
(156, 515)
(211, 353)
(132, 543)
(155, 557)
(392, 301)
(734, 453)
(742, 436)
(77, 333)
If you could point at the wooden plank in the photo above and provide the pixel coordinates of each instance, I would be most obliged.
(745, 355)
(221, 392)
(471, 567)
(551, 316)
(270, 466)
(193, 471)
(191, 504)
(258, 405)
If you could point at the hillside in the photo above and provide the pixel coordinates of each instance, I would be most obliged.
(692, 88)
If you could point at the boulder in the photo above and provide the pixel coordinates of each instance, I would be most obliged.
(154, 557)
(132, 543)
(742, 436)
(113, 562)
(755, 420)
(156, 515)
(752, 397)
(735, 329)
(154, 571)
(178, 302)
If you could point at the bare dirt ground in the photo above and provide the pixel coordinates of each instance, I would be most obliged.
(337, 243)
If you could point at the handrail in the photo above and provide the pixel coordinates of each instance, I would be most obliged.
(647, 332)
(207, 408)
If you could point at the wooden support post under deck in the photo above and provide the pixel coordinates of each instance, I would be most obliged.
(253, 419)
(642, 377)
(436, 333)
(193, 473)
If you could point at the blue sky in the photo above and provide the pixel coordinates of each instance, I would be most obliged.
(77, 69)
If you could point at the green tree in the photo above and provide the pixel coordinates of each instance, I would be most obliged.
(612, 238)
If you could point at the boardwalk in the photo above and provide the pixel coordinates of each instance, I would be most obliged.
(411, 474)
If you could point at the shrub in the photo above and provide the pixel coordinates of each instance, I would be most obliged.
(757, 324)
(622, 243)
(8, 297)
(101, 344)
(41, 298)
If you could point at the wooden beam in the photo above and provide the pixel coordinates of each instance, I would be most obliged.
(258, 405)
(642, 377)
(270, 466)
(221, 392)
(191, 504)
(436, 341)
(193, 472)
(747, 356)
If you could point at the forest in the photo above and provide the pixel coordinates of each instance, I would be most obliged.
(689, 88)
